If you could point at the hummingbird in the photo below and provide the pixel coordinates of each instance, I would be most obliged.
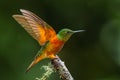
(50, 42)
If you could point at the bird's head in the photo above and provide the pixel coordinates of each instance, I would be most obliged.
(65, 34)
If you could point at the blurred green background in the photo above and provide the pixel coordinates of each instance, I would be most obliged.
(92, 55)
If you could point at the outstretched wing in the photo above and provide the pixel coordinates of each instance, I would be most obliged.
(35, 26)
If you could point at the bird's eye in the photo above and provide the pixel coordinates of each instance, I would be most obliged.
(68, 32)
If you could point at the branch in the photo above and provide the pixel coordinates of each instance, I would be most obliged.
(60, 67)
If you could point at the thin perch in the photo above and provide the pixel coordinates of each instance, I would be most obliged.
(62, 70)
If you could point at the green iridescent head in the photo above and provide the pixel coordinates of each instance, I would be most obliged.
(65, 34)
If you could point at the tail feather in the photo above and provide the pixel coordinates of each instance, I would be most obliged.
(35, 61)
(30, 66)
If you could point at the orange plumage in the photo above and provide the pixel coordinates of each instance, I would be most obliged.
(42, 32)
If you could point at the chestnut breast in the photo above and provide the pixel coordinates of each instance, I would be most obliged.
(54, 46)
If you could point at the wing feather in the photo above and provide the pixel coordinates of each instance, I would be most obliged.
(35, 26)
